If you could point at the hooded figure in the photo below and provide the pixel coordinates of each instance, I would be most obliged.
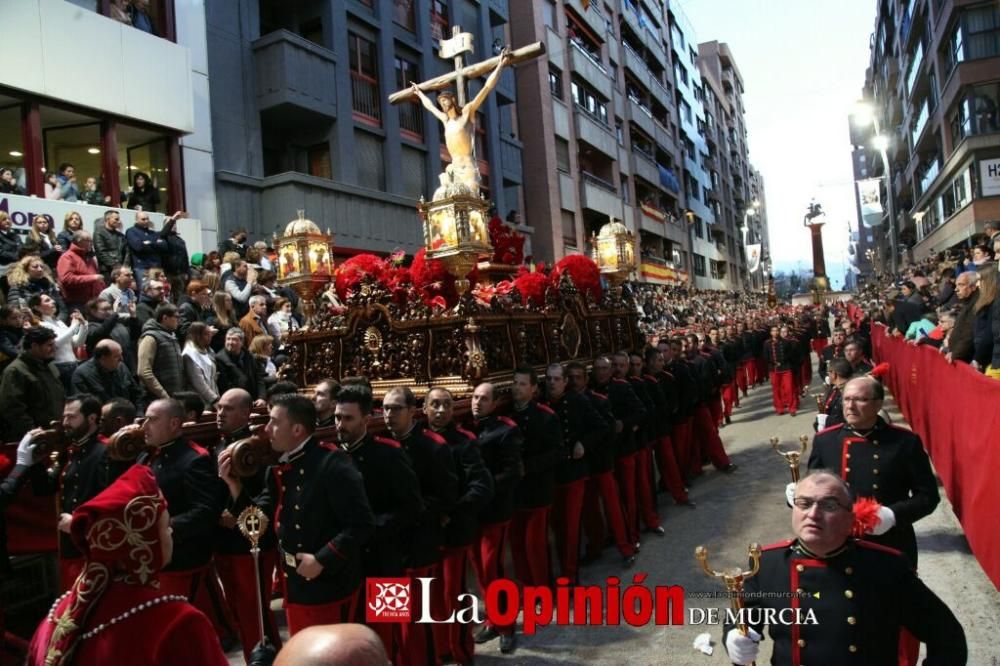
(115, 613)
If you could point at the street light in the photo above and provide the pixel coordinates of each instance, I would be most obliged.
(864, 115)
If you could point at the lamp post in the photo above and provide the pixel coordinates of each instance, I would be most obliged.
(866, 115)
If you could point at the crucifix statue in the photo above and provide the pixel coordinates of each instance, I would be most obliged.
(457, 116)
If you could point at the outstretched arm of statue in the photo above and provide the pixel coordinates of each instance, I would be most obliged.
(469, 110)
(428, 104)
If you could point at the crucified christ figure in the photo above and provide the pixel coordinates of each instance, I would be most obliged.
(460, 124)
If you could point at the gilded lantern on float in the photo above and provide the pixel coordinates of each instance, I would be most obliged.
(614, 252)
(455, 232)
(305, 261)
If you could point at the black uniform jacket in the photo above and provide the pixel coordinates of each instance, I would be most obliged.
(600, 458)
(500, 443)
(229, 540)
(187, 478)
(475, 487)
(861, 595)
(318, 505)
(434, 466)
(781, 354)
(627, 408)
(889, 464)
(579, 422)
(543, 448)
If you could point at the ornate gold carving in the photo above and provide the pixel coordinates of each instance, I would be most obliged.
(373, 339)
(140, 514)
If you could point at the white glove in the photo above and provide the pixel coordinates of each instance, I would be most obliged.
(886, 520)
(742, 649)
(821, 421)
(26, 450)
(790, 494)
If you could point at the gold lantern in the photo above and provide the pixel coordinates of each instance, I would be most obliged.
(614, 254)
(456, 232)
(305, 261)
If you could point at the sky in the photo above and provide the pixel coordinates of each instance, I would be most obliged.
(803, 66)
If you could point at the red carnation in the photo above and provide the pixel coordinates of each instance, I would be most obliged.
(584, 273)
(865, 516)
(354, 270)
(532, 287)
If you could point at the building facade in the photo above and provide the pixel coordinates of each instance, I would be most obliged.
(301, 118)
(139, 104)
(934, 80)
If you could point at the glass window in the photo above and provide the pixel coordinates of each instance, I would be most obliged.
(11, 148)
(555, 83)
(411, 114)
(562, 154)
(143, 171)
(319, 161)
(982, 25)
(367, 103)
(439, 19)
(70, 139)
(403, 15)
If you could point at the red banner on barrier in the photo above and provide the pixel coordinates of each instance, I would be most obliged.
(954, 410)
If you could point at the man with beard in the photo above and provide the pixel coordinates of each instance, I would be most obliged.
(391, 486)
(602, 488)
(316, 500)
(233, 560)
(475, 489)
(434, 466)
(85, 469)
(115, 415)
(500, 442)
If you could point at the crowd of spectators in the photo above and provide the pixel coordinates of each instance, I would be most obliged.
(129, 314)
(950, 301)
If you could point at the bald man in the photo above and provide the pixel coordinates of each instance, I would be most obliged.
(319, 645)
(105, 376)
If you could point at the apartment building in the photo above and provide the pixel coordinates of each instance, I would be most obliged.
(934, 80)
(301, 117)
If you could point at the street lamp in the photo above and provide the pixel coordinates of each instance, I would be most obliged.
(864, 116)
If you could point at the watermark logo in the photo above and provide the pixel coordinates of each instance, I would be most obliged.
(388, 600)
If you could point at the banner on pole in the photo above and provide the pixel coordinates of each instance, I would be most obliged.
(753, 257)
(870, 195)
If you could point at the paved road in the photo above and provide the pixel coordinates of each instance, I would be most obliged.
(734, 510)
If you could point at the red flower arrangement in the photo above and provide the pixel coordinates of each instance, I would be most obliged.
(584, 273)
(350, 273)
(5, 466)
(508, 243)
(532, 286)
(865, 516)
(430, 278)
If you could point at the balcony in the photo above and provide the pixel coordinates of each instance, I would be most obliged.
(582, 62)
(641, 116)
(499, 12)
(645, 167)
(506, 88)
(293, 72)
(510, 159)
(635, 65)
(930, 174)
(663, 137)
(915, 64)
(592, 16)
(631, 14)
(920, 124)
(595, 133)
(600, 196)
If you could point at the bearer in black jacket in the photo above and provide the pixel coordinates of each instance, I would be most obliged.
(501, 442)
(652, 398)
(316, 499)
(662, 388)
(543, 449)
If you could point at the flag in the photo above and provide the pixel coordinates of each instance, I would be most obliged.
(871, 201)
(753, 257)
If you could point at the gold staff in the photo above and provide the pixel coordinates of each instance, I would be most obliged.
(733, 579)
(252, 523)
(791, 457)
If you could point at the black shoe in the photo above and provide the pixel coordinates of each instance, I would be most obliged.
(628, 561)
(485, 635)
(508, 643)
(728, 420)
(658, 531)
(730, 468)
(688, 503)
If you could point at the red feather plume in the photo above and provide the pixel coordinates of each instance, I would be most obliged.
(865, 516)
(532, 287)
(583, 271)
(5, 465)
(351, 272)
(879, 370)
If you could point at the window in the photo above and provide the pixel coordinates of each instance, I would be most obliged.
(11, 146)
(686, 112)
(562, 155)
(977, 112)
(555, 83)
(366, 101)
(319, 161)
(699, 228)
(411, 114)
(619, 132)
(699, 265)
(439, 19)
(588, 100)
(402, 14)
(549, 14)
(141, 151)
(152, 20)
(982, 27)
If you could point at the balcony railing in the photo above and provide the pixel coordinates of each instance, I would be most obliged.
(595, 59)
(933, 170)
(915, 63)
(918, 126)
(598, 181)
(411, 119)
(365, 99)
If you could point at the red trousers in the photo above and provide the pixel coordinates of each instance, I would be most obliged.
(202, 588)
(730, 395)
(602, 488)
(237, 576)
(760, 364)
(341, 611)
(566, 512)
(783, 392)
(706, 434)
(715, 409)
(453, 638)
(743, 378)
(644, 486)
(818, 345)
(805, 373)
(487, 560)
(625, 475)
(683, 441)
(670, 474)
(529, 545)
(415, 642)
(69, 570)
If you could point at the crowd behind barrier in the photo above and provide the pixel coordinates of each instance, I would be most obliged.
(954, 410)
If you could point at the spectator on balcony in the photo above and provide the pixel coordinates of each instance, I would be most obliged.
(110, 244)
(72, 222)
(120, 11)
(69, 338)
(30, 276)
(8, 183)
(265, 260)
(236, 243)
(262, 349)
(68, 191)
(139, 10)
(42, 235)
(989, 291)
(77, 272)
(223, 318)
(143, 194)
(161, 368)
(10, 246)
(254, 322)
(31, 395)
(11, 332)
(199, 362)
(281, 322)
(92, 195)
(145, 245)
(239, 284)
(197, 307)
